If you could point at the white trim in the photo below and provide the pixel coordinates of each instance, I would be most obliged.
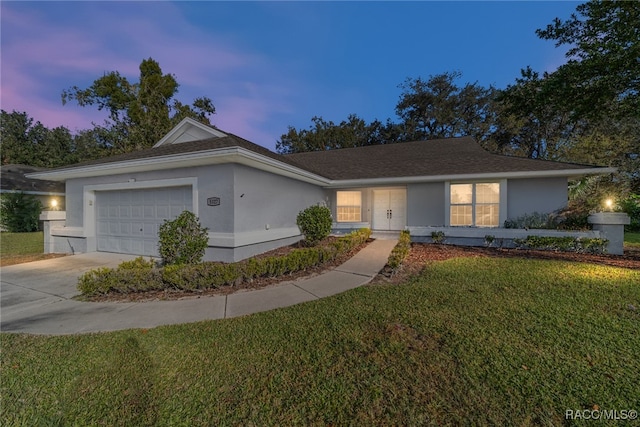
(234, 240)
(470, 177)
(183, 126)
(68, 231)
(349, 225)
(186, 160)
(53, 215)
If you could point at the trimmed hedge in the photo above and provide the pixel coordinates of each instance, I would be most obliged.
(400, 251)
(140, 275)
(566, 244)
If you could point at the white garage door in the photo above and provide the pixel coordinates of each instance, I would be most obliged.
(128, 220)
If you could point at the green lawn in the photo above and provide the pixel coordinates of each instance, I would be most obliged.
(475, 341)
(21, 243)
(632, 239)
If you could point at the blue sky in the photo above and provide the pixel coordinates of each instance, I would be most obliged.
(267, 65)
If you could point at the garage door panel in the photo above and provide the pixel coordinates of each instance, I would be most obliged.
(128, 221)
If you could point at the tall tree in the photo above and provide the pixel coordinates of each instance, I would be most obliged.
(529, 124)
(141, 113)
(602, 74)
(439, 108)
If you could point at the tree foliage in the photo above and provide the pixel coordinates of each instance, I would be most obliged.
(141, 113)
(326, 135)
(19, 212)
(602, 74)
(429, 109)
(23, 141)
(439, 108)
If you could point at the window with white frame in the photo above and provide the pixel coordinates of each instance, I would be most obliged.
(476, 204)
(349, 206)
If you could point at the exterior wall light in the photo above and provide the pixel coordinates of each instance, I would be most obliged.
(54, 204)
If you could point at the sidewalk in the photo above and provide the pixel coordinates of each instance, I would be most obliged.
(56, 314)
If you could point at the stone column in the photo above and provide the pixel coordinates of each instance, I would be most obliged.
(611, 227)
(51, 219)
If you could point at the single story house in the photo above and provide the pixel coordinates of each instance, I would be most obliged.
(13, 180)
(248, 197)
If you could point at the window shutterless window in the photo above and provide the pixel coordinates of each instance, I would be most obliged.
(349, 206)
(475, 204)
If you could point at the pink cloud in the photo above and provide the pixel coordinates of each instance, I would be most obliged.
(41, 56)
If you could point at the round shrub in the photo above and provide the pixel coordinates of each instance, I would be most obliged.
(315, 223)
(183, 240)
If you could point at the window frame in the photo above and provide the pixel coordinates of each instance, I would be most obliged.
(474, 204)
(356, 215)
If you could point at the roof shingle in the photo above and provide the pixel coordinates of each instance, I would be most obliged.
(440, 157)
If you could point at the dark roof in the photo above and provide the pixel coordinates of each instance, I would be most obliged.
(440, 157)
(452, 156)
(213, 143)
(12, 179)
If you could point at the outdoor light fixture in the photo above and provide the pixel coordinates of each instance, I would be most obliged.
(609, 203)
(54, 204)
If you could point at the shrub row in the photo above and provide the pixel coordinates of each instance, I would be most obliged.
(566, 219)
(140, 275)
(400, 251)
(567, 244)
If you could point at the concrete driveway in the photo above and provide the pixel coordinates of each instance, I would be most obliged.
(36, 297)
(30, 293)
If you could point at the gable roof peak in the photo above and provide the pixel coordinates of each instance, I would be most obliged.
(189, 130)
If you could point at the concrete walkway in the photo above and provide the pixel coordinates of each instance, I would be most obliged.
(36, 297)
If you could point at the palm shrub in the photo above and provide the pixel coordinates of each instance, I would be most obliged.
(19, 212)
(315, 223)
(182, 240)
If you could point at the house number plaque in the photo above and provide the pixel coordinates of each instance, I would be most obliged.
(213, 201)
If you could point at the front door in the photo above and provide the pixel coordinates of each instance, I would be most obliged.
(389, 209)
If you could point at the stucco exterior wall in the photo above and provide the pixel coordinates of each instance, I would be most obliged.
(544, 195)
(425, 204)
(264, 201)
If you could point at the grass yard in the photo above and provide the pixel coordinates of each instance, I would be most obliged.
(17, 248)
(476, 341)
(21, 243)
(632, 239)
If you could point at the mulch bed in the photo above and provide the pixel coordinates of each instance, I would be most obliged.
(258, 283)
(423, 254)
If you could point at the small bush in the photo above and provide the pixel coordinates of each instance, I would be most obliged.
(400, 251)
(535, 220)
(183, 240)
(19, 212)
(570, 218)
(564, 244)
(437, 237)
(314, 223)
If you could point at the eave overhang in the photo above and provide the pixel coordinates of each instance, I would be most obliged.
(249, 158)
(560, 173)
(237, 155)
